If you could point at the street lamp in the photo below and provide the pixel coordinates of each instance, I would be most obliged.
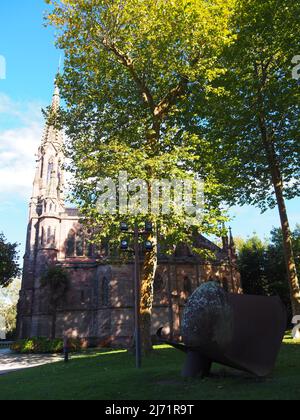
(125, 248)
(124, 245)
(148, 227)
(124, 227)
(149, 246)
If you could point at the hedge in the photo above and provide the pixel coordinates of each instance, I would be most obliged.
(44, 346)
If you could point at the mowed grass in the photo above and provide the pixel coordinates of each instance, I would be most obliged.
(111, 375)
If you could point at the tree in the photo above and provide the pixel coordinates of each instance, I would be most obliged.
(275, 268)
(254, 126)
(262, 266)
(9, 267)
(128, 71)
(9, 297)
(56, 280)
(251, 263)
(296, 246)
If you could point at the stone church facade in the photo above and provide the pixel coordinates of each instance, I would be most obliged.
(99, 303)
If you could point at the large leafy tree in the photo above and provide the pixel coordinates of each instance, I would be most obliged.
(262, 265)
(251, 263)
(9, 267)
(129, 68)
(255, 127)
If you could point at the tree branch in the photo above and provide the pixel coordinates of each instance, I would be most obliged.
(128, 63)
(169, 100)
(161, 110)
(165, 104)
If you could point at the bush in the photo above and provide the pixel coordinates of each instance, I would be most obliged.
(45, 346)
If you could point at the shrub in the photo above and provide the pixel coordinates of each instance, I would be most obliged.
(45, 346)
(58, 280)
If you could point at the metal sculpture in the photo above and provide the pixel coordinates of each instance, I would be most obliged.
(239, 331)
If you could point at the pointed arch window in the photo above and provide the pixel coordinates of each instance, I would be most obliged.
(43, 236)
(70, 251)
(82, 297)
(105, 291)
(159, 283)
(42, 167)
(59, 172)
(90, 249)
(50, 170)
(49, 235)
(187, 285)
(78, 245)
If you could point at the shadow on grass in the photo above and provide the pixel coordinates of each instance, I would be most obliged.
(111, 375)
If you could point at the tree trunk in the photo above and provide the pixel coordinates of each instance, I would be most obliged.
(286, 231)
(149, 270)
(287, 236)
(150, 261)
(289, 254)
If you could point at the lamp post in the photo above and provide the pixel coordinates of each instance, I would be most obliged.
(66, 349)
(125, 247)
(138, 349)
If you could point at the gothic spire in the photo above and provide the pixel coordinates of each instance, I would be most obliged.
(49, 179)
(225, 239)
(232, 247)
(56, 95)
(52, 134)
(55, 99)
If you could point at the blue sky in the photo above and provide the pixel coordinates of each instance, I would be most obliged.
(32, 62)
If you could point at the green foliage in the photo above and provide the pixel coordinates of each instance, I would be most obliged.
(44, 346)
(275, 267)
(260, 94)
(57, 280)
(9, 267)
(9, 297)
(262, 266)
(252, 266)
(128, 72)
(254, 127)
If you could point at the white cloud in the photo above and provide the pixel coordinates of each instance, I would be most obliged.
(18, 145)
(19, 112)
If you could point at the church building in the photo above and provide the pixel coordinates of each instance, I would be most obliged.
(99, 303)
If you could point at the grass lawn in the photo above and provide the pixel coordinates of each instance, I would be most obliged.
(111, 375)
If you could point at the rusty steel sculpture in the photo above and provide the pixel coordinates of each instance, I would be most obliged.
(239, 331)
